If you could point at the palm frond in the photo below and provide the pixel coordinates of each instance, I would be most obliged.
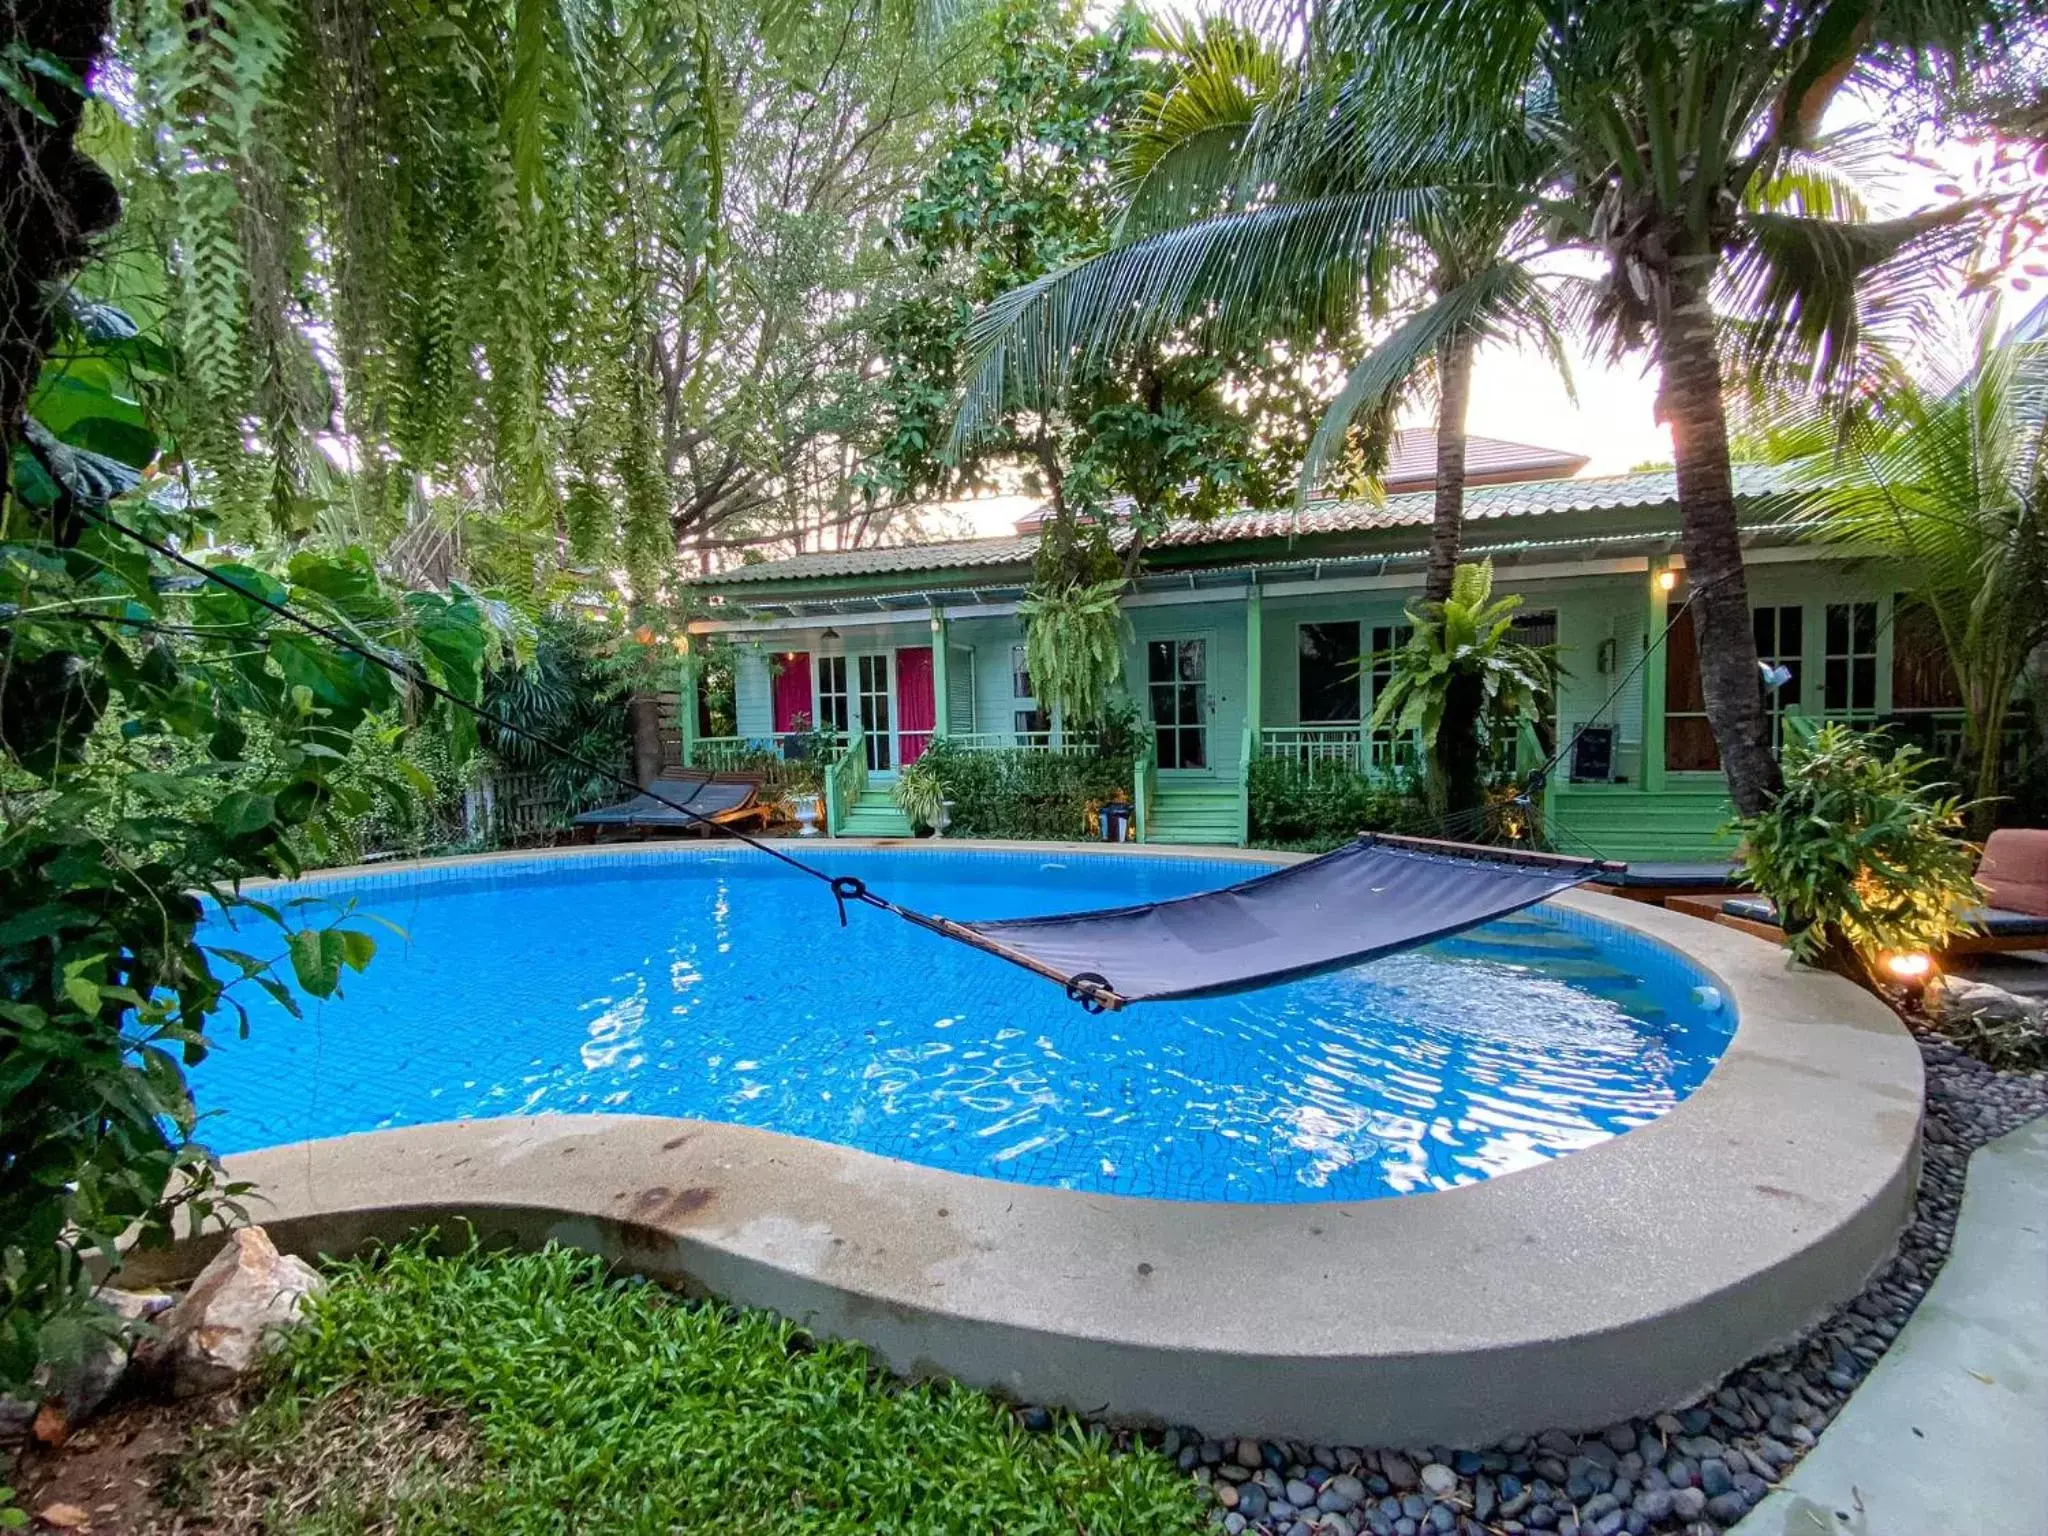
(1185, 157)
(1808, 295)
(1505, 301)
(1277, 270)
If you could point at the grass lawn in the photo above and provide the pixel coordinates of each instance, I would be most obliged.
(532, 1392)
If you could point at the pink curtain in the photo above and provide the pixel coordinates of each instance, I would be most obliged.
(916, 709)
(793, 691)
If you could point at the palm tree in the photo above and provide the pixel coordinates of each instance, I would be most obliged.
(1288, 238)
(1947, 478)
(1681, 138)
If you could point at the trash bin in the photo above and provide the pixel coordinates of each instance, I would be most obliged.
(1115, 821)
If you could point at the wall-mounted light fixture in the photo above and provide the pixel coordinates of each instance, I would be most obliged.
(1666, 579)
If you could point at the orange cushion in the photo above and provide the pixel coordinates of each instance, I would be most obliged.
(2014, 870)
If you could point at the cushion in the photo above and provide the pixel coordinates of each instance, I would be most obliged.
(2002, 924)
(2014, 870)
(1755, 908)
(1698, 877)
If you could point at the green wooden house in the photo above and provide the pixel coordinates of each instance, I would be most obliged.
(1246, 633)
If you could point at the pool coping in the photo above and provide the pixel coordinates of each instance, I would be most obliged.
(1616, 1281)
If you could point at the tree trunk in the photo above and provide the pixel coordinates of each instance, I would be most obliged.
(1460, 754)
(58, 202)
(1454, 376)
(1689, 398)
(643, 714)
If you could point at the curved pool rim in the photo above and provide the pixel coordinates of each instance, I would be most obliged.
(1618, 1280)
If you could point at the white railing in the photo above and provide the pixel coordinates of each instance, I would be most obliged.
(1356, 747)
(1013, 741)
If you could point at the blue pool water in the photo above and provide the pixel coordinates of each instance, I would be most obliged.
(718, 984)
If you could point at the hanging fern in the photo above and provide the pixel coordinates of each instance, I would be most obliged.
(1074, 646)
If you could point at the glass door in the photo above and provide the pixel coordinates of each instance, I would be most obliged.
(872, 674)
(832, 695)
(1177, 680)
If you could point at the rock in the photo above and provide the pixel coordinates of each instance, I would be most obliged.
(1727, 1507)
(230, 1316)
(1251, 1501)
(1233, 1524)
(1653, 1504)
(1438, 1478)
(1341, 1493)
(1037, 1419)
(1399, 1469)
(1300, 1494)
(1714, 1478)
(1227, 1495)
(64, 1517)
(1953, 999)
(1688, 1503)
(1248, 1454)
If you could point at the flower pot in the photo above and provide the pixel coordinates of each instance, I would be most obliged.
(805, 809)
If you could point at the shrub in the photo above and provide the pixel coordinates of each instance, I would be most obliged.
(1860, 852)
(1042, 796)
(1320, 805)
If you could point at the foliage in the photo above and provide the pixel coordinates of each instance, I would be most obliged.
(1322, 805)
(1947, 477)
(164, 740)
(1074, 645)
(1861, 853)
(1676, 140)
(1027, 794)
(639, 1410)
(564, 695)
(492, 285)
(1461, 680)
(920, 791)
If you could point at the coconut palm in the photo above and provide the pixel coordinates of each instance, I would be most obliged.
(1946, 476)
(1680, 140)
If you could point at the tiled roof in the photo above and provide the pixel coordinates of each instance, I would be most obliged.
(1411, 460)
(1647, 492)
(952, 554)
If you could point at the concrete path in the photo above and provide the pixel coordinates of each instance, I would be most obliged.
(1949, 1436)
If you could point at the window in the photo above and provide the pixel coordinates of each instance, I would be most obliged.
(1780, 641)
(1388, 748)
(1849, 673)
(1328, 673)
(1177, 681)
(1027, 719)
(874, 711)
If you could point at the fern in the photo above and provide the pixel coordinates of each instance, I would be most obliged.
(1073, 645)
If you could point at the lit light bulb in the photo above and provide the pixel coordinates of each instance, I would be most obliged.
(1909, 967)
(1666, 579)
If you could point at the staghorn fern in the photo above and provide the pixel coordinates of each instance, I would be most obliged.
(1074, 646)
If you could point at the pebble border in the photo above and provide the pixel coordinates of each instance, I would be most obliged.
(1694, 1470)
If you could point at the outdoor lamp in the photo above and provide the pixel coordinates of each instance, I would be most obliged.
(1666, 579)
(1910, 966)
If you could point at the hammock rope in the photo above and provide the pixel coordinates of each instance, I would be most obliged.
(1083, 983)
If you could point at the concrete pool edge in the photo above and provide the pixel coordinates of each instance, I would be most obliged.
(1615, 1281)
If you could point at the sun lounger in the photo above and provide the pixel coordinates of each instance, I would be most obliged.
(1657, 882)
(716, 799)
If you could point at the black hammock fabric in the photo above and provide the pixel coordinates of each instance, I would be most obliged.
(1370, 898)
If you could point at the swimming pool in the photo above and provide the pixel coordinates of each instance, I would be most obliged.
(716, 984)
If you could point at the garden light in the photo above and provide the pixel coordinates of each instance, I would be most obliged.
(1666, 579)
(1913, 966)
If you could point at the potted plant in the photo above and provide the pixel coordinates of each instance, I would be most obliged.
(920, 793)
(808, 751)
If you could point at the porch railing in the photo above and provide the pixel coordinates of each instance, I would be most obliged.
(768, 756)
(1013, 741)
(846, 780)
(1356, 747)
(1244, 787)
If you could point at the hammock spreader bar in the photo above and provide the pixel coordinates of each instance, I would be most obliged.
(1373, 897)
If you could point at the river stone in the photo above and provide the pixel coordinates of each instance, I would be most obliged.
(1438, 1478)
(1251, 1500)
(1399, 1469)
(232, 1314)
(1688, 1503)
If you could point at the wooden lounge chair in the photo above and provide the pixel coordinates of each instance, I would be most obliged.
(717, 799)
(2013, 872)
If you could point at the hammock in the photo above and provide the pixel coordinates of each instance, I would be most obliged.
(1373, 897)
